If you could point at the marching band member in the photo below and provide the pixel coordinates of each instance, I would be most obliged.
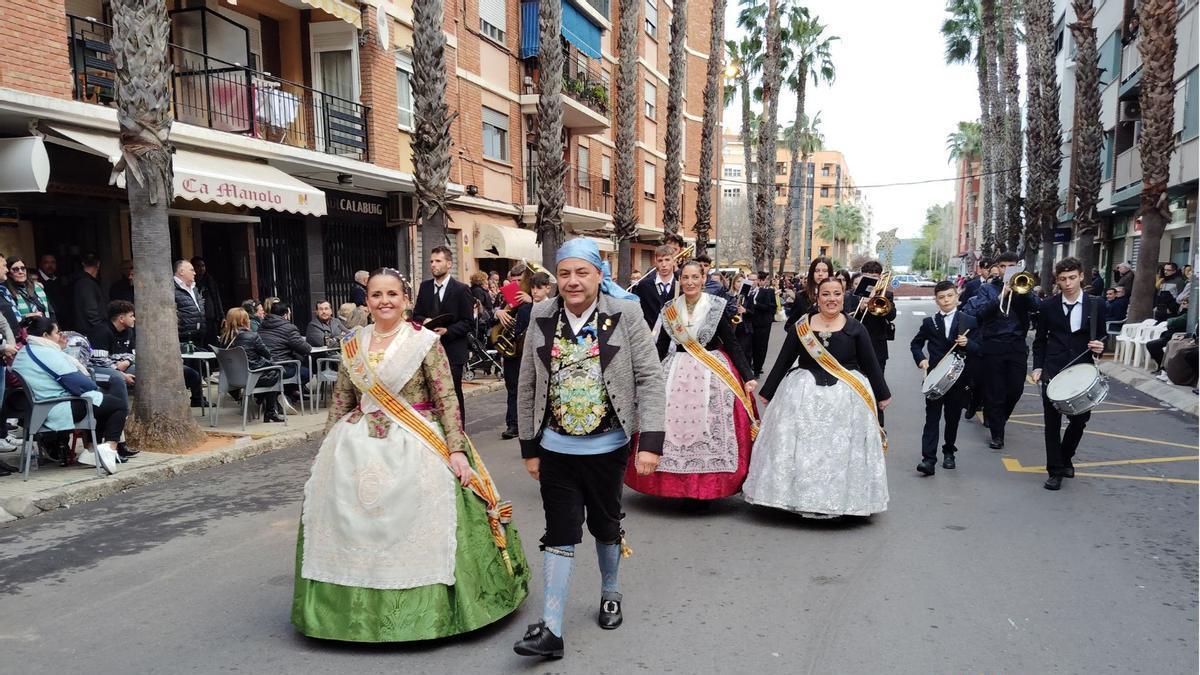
(656, 290)
(590, 380)
(711, 419)
(402, 533)
(1004, 356)
(760, 310)
(539, 289)
(939, 334)
(820, 451)
(820, 269)
(1069, 325)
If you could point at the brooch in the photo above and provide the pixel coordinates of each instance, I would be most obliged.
(607, 324)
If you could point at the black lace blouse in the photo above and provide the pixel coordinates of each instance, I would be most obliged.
(851, 346)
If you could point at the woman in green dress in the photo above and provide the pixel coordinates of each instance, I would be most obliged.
(402, 534)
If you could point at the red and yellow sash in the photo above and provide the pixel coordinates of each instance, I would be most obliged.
(671, 314)
(831, 365)
(499, 513)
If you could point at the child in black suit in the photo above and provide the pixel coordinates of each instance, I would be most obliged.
(946, 329)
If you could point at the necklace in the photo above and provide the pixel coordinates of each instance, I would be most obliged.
(825, 334)
(381, 335)
(691, 308)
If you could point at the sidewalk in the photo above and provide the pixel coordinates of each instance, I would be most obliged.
(51, 486)
(1171, 394)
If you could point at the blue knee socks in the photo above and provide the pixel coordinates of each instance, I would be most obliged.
(609, 556)
(557, 563)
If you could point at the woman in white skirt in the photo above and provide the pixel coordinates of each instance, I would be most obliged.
(820, 450)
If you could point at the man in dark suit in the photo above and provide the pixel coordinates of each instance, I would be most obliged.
(971, 287)
(974, 374)
(937, 335)
(443, 294)
(880, 328)
(760, 307)
(657, 289)
(1070, 324)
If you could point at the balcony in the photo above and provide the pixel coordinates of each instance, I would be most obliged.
(589, 200)
(1131, 59)
(586, 88)
(212, 93)
(1129, 168)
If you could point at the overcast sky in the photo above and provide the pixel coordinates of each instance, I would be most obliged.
(892, 104)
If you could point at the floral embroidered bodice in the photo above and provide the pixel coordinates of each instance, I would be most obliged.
(578, 398)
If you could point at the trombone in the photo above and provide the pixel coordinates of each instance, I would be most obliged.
(878, 304)
(1021, 283)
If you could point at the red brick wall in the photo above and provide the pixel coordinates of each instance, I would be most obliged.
(35, 58)
(378, 70)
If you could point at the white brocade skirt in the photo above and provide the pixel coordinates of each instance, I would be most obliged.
(818, 452)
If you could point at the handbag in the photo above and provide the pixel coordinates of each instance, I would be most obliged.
(75, 382)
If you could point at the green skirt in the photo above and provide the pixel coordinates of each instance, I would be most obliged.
(483, 592)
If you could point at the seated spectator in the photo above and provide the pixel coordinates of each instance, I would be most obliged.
(236, 332)
(27, 291)
(345, 311)
(1116, 308)
(325, 330)
(41, 363)
(1157, 348)
(114, 341)
(254, 309)
(111, 380)
(285, 343)
(268, 304)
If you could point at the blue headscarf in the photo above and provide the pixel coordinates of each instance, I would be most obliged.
(586, 249)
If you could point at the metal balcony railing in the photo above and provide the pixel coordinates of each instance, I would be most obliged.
(1131, 59)
(1128, 168)
(584, 190)
(209, 92)
(584, 80)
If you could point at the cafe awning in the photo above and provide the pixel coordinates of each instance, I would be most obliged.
(501, 241)
(213, 179)
(339, 8)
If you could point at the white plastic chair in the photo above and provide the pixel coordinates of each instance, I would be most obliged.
(1127, 340)
(1142, 357)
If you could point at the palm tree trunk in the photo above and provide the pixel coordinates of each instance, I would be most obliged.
(985, 158)
(432, 118)
(1157, 47)
(627, 196)
(712, 94)
(803, 247)
(748, 149)
(1012, 126)
(762, 234)
(677, 79)
(161, 415)
(795, 173)
(1088, 136)
(993, 126)
(1044, 140)
(551, 169)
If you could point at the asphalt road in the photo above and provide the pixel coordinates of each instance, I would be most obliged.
(977, 569)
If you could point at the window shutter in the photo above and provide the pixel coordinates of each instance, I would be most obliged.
(492, 11)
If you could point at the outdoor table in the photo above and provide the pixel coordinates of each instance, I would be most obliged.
(205, 371)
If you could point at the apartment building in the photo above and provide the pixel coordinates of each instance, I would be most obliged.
(1120, 80)
(826, 182)
(968, 210)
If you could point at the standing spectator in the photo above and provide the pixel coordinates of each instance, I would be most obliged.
(325, 330)
(122, 289)
(1097, 285)
(284, 341)
(189, 304)
(1124, 274)
(27, 291)
(58, 289)
(210, 292)
(358, 292)
(87, 298)
(450, 301)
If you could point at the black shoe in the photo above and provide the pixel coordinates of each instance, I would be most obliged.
(1053, 483)
(996, 443)
(1069, 472)
(125, 452)
(4, 470)
(272, 417)
(5, 466)
(201, 402)
(539, 641)
(927, 467)
(610, 614)
(509, 433)
(948, 461)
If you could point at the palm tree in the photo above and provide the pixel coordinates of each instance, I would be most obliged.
(1043, 146)
(804, 138)
(1012, 124)
(962, 31)
(746, 56)
(965, 143)
(551, 169)
(843, 222)
(763, 227)
(1157, 97)
(625, 215)
(162, 419)
(993, 124)
(676, 81)
(1088, 135)
(712, 91)
(432, 118)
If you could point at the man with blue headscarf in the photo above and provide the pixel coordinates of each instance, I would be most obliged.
(590, 382)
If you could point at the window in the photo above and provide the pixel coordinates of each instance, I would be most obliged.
(779, 189)
(652, 18)
(1191, 90)
(824, 169)
(495, 134)
(732, 192)
(1106, 156)
(651, 95)
(648, 179)
(1109, 59)
(583, 161)
(780, 168)
(733, 172)
(606, 174)
(824, 191)
(404, 101)
(492, 19)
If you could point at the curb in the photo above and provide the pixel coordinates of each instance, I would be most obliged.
(1143, 381)
(26, 506)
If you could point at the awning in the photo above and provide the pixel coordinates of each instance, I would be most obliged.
(24, 165)
(576, 29)
(339, 8)
(501, 241)
(212, 179)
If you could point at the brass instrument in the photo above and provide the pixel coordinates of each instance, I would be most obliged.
(685, 254)
(508, 343)
(878, 304)
(1021, 283)
(737, 316)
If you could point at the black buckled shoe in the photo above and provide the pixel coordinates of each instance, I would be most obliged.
(927, 467)
(1053, 483)
(996, 443)
(1069, 472)
(610, 613)
(125, 452)
(509, 433)
(539, 641)
(948, 461)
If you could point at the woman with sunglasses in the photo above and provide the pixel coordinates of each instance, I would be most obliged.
(27, 291)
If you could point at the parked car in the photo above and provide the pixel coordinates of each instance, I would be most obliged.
(913, 280)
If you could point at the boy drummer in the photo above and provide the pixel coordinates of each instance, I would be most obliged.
(938, 334)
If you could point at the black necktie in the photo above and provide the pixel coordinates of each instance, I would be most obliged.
(437, 298)
(941, 324)
(662, 289)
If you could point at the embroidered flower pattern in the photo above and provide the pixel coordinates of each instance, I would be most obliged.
(578, 397)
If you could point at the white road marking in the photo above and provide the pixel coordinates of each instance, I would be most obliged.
(919, 314)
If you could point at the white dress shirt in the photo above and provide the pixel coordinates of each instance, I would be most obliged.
(1074, 311)
(576, 322)
(947, 322)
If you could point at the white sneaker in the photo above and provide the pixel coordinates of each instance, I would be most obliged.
(8, 444)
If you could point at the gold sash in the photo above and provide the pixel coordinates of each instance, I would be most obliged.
(831, 365)
(499, 513)
(671, 314)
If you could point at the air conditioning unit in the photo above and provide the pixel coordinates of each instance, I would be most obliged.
(1131, 111)
(402, 207)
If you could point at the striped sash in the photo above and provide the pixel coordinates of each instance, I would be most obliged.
(831, 365)
(671, 315)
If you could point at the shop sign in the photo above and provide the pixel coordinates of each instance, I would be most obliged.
(348, 206)
(1062, 235)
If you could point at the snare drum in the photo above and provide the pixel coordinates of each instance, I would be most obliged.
(941, 378)
(1077, 389)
